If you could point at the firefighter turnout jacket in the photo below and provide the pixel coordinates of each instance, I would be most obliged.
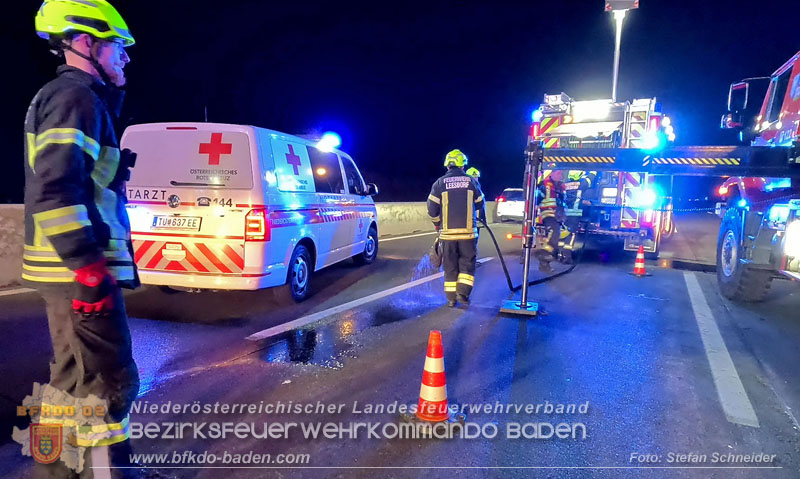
(74, 184)
(454, 204)
(574, 192)
(548, 202)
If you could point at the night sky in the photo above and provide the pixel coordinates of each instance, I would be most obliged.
(404, 83)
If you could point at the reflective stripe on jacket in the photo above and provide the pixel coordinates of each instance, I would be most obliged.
(573, 192)
(454, 205)
(549, 201)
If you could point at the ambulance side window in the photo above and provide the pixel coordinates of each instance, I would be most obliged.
(354, 181)
(327, 173)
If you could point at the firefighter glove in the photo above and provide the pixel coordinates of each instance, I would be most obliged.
(94, 286)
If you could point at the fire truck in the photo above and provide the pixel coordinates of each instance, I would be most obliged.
(628, 206)
(760, 230)
(759, 235)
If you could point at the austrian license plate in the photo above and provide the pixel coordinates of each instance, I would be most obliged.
(176, 223)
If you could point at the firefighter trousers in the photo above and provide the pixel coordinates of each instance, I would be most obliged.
(572, 223)
(458, 262)
(92, 356)
(550, 241)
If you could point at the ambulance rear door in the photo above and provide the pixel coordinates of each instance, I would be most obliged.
(189, 196)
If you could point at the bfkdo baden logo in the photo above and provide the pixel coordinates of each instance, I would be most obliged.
(46, 444)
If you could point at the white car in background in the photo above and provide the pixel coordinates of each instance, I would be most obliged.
(510, 205)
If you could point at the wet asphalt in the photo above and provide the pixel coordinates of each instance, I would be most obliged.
(628, 348)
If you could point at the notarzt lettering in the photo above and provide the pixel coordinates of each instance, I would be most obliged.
(146, 194)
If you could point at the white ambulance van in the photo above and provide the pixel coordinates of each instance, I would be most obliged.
(232, 207)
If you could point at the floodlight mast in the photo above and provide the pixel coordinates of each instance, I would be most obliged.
(619, 17)
(619, 8)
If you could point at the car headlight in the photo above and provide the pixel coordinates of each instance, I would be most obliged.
(792, 242)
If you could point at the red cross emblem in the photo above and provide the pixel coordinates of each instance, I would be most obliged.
(293, 160)
(215, 148)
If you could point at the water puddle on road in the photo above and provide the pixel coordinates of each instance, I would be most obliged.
(328, 344)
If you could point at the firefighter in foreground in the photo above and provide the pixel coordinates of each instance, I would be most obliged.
(77, 235)
(550, 193)
(454, 205)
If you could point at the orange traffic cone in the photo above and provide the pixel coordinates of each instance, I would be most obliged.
(433, 392)
(638, 267)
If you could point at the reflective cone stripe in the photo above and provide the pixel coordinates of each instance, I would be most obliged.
(638, 267)
(433, 391)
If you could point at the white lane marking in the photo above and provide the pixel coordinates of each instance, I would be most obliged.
(312, 318)
(10, 292)
(381, 240)
(732, 396)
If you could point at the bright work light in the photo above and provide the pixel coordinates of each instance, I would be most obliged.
(792, 245)
(644, 197)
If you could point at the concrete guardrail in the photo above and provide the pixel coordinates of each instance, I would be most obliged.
(393, 219)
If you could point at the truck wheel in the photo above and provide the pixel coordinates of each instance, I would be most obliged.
(736, 280)
(370, 248)
(298, 278)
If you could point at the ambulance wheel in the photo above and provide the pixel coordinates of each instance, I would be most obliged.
(370, 248)
(736, 279)
(298, 278)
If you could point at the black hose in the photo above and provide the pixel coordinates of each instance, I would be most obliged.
(534, 282)
(499, 255)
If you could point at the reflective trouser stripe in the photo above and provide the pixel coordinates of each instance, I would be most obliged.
(465, 278)
(434, 199)
(450, 286)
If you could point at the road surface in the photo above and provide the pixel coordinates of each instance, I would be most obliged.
(668, 379)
